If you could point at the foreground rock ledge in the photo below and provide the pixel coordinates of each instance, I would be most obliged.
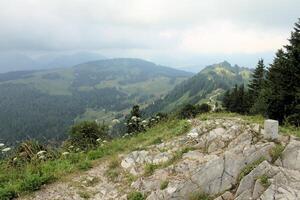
(225, 158)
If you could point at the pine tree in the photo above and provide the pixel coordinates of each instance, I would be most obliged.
(257, 82)
(284, 81)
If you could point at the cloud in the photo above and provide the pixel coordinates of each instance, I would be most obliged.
(150, 28)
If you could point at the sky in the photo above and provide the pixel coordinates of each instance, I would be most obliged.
(177, 33)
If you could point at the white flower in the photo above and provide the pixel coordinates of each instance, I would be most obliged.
(144, 122)
(157, 117)
(65, 153)
(42, 157)
(40, 152)
(104, 141)
(6, 149)
(133, 117)
(98, 140)
(115, 121)
(71, 147)
(2, 145)
(15, 159)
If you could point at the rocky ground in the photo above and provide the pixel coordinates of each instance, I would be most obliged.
(224, 158)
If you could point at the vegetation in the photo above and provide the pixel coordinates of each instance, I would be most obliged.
(17, 179)
(44, 104)
(136, 196)
(190, 111)
(273, 93)
(200, 196)
(164, 184)
(87, 134)
(276, 152)
(246, 170)
(264, 180)
(217, 77)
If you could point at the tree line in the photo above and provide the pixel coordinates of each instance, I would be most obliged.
(274, 91)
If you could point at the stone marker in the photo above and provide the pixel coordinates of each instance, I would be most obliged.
(271, 129)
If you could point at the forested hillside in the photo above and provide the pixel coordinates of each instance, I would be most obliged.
(43, 104)
(210, 83)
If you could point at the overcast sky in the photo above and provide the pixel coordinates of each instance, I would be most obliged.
(179, 33)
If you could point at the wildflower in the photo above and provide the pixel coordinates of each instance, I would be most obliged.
(144, 122)
(133, 117)
(65, 153)
(15, 159)
(2, 145)
(104, 141)
(71, 147)
(115, 121)
(40, 152)
(6, 149)
(98, 140)
(42, 157)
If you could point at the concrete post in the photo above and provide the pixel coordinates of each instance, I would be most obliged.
(271, 129)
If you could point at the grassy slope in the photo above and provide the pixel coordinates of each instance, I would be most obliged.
(15, 181)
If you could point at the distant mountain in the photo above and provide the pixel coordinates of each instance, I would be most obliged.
(43, 104)
(20, 62)
(193, 68)
(211, 82)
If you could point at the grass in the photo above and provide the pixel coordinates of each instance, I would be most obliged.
(15, 181)
(248, 168)
(264, 180)
(164, 184)
(136, 196)
(200, 196)
(276, 152)
(84, 195)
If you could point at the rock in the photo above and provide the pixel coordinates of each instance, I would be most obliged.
(291, 155)
(271, 129)
(161, 158)
(193, 155)
(258, 189)
(127, 163)
(193, 134)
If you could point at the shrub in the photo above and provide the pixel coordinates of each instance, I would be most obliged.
(190, 111)
(135, 196)
(29, 151)
(84, 135)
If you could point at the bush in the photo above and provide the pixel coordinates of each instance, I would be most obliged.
(190, 111)
(84, 135)
(135, 196)
(29, 151)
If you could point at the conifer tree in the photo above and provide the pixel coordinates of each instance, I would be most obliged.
(284, 81)
(257, 82)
